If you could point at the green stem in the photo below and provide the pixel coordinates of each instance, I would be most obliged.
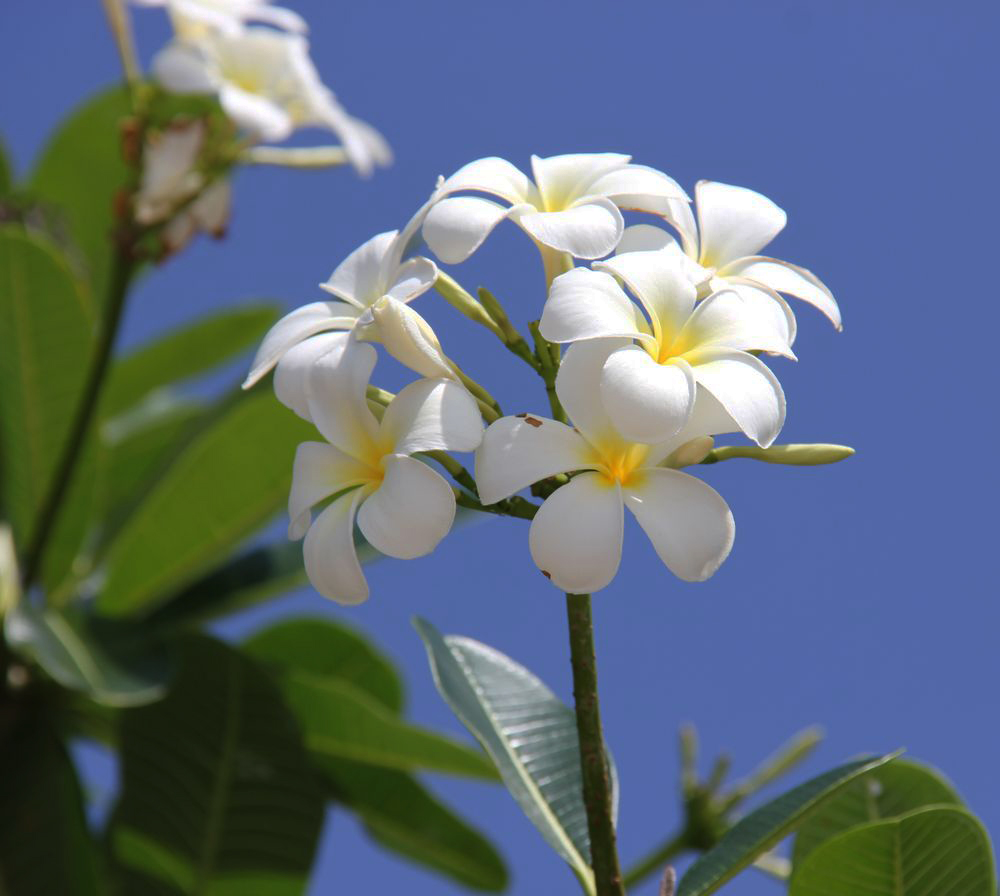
(121, 274)
(593, 761)
(548, 367)
(654, 861)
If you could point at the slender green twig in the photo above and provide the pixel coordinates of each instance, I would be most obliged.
(655, 860)
(121, 28)
(593, 761)
(548, 361)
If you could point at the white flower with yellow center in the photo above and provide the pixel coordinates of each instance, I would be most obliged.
(722, 251)
(192, 18)
(402, 507)
(572, 206)
(576, 536)
(267, 85)
(649, 382)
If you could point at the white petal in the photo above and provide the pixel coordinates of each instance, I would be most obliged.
(734, 222)
(644, 238)
(410, 512)
(455, 227)
(279, 17)
(708, 418)
(409, 338)
(578, 385)
(659, 281)
(496, 176)
(211, 209)
(746, 388)
(646, 401)
(293, 328)
(576, 536)
(320, 470)
(518, 451)
(181, 68)
(413, 278)
(336, 391)
(788, 278)
(688, 522)
(638, 188)
(679, 215)
(589, 230)
(331, 559)
(767, 305)
(585, 304)
(257, 114)
(294, 369)
(432, 415)
(361, 278)
(563, 179)
(726, 320)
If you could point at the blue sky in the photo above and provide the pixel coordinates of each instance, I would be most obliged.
(861, 596)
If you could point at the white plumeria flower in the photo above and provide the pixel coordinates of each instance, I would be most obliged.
(170, 178)
(576, 536)
(267, 85)
(402, 507)
(649, 386)
(722, 250)
(572, 206)
(192, 17)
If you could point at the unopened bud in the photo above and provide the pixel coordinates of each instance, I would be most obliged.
(409, 338)
(794, 455)
(689, 453)
(461, 301)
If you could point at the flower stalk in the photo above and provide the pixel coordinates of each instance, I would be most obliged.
(593, 761)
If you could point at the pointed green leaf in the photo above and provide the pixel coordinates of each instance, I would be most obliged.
(225, 483)
(184, 353)
(218, 795)
(45, 347)
(328, 650)
(99, 659)
(939, 851)
(755, 834)
(45, 847)
(528, 731)
(404, 817)
(343, 722)
(893, 789)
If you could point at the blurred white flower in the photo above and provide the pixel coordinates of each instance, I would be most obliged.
(733, 225)
(170, 178)
(648, 386)
(576, 536)
(267, 85)
(402, 507)
(572, 206)
(191, 18)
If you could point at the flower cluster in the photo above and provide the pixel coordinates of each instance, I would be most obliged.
(666, 338)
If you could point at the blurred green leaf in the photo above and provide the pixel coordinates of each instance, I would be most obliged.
(341, 721)
(81, 170)
(893, 789)
(328, 650)
(226, 482)
(184, 353)
(6, 170)
(401, 815)
(755, 834)
(107, 662)
(45, 346)
(529, 733)
(939, 851)
(218, 795)
(45, 847)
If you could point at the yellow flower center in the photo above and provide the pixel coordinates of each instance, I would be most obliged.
(620, 463)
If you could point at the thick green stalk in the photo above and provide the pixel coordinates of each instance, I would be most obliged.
(593, 761)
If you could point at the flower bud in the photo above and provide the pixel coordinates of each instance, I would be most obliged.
(807, 455)
(689, 453)
(409, 338)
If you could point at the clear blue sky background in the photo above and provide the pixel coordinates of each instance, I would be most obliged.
(861, 596)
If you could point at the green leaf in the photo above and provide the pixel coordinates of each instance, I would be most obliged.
(45, 347)
(81, 170)
(328, 650)
(893, 789)
(935, 851)
(341, 721)
(6, 171)
(218, 795)
(45, 847)
(185, 353)
(102, 660)
(755, 834)
(404, 817)
(225, 483)
(529, 733)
